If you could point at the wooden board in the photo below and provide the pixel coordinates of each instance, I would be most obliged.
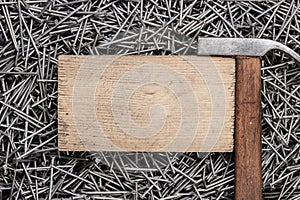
(146, 103)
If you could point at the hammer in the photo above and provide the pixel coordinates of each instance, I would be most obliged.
(248, 172)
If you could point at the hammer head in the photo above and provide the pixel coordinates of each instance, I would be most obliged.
(241, 47)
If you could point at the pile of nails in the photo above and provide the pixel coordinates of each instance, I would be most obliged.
(34, 33)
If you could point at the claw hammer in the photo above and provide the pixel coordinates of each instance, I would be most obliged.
(248, 169)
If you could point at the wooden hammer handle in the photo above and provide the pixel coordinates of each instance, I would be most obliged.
(248, 175)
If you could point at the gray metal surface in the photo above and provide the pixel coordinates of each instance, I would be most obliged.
(34, 33)
(242, 47)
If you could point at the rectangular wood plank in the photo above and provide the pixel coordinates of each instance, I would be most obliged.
(146, 103)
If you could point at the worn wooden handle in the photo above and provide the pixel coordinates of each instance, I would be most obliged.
(248, 178)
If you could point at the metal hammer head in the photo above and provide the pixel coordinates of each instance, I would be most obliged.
(241, 47)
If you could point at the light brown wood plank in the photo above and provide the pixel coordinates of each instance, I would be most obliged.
(146, 103)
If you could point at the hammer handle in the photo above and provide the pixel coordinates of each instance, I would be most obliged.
(248, 175)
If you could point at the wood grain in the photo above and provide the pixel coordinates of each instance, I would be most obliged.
(146, 103)
(248, 175)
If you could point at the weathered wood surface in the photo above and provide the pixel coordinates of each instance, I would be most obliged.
(248, 172)
(146, 103)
